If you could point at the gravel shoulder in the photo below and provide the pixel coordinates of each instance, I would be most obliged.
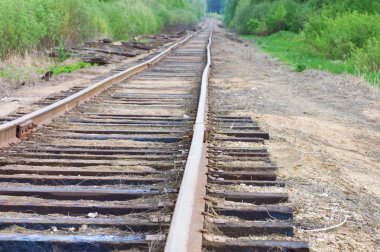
(325, 131)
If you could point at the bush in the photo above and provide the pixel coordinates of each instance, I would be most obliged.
(242, 16)
(275, 18)
(289, 15)
(32, 24)
(253, 24)
(20, 30)
(74, 19)
(338, 38)
(297, 15)
(229, 8)
(367, 59)
(333, 7)
(267, 17)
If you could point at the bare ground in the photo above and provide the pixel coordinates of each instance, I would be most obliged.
(325, 131)
(18, 93)
(21, 84)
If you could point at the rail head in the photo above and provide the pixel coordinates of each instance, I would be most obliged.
(180, 230)
(9, 130)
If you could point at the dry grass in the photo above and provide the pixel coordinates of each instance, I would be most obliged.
(17, 69)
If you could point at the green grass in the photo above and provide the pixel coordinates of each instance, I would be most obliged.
(70, 68)
(290, 48)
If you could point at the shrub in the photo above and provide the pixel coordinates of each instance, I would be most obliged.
(266, 17)
(253, 24)
(32, 24)
(289, 15)
(338, 38)
(229, 10)
(367, 59)
(19, 29)
(297, 15)
(75, 20)
(275, 18)
(300, 67)
(242, 16)
(333, 7)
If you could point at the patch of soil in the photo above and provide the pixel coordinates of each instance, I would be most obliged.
(17, 93)
(325, 131)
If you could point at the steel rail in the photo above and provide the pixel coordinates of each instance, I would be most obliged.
(178, 239)
(8, 130)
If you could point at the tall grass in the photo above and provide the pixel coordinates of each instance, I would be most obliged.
(32, 24)
(291, 48)
(339, 37)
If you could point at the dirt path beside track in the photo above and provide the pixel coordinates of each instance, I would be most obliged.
(325, 131)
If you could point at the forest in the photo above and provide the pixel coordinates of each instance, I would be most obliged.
(340, 36)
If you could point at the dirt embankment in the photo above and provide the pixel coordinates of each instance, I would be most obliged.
(325, 131)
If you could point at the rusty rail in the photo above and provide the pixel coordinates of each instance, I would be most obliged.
(11, 131)
(185, 213)
(104, 185)
(109, 169)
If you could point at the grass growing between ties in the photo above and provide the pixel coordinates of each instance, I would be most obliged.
(290, 48)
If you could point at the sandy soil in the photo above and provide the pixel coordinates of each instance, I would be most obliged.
(325, 131)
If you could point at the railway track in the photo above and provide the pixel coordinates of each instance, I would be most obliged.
(134, 170)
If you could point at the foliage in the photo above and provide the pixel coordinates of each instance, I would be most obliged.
(13, 73)
(275, 19)
(252, 25)
(289, 15)
(34, 24)
(367, 59)
(339, 37)
(62, 55)
(70, 68)
(229, 8)
(345, 30)
(241, 17)
(272, 15)
(290, 48)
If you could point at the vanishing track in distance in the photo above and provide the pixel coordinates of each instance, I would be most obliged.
(156, 158)
(106, 174)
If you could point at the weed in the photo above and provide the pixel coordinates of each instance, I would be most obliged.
(70, 68)
(62, 56)
(300, 67)
(26, 25)
(290, 48)
(339, 37)
(290, 15)
(367, 59)
(18, 69)
(347, 31)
